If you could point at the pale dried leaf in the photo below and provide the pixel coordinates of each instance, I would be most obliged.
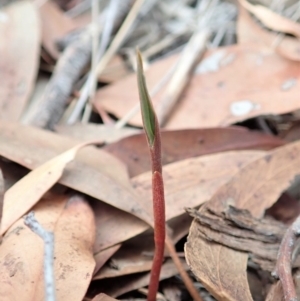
(191, 182)
(218, 94)
(22, 252)
(93, 167)
(55, 24)
(103, 297)
(22, 196)
(248, 31)
(271, 19)
(19, 56)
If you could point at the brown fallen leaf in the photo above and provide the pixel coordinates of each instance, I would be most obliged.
(103, 256)
(19, 57)
(22, 196)
(115, 70)
(271, 19)
(22, 251)
(55, 24)
(255, 188)
(193, 181)
(183, 144)
(1, 192)
(103, 297)
(92, 169)
(248, 31)
(132, 282)
(226, 97)
(136, 254)
(108, 231)
(87, 132)
(17, 142)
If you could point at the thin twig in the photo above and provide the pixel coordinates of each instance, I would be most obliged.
(184, 275)
(95, 43)
(105, 37)
(193, 50)
(283, 269)
(48, 238)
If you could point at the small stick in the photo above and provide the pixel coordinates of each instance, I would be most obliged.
(193, 50)
(31, 222)
(283, 269)
(107, 56)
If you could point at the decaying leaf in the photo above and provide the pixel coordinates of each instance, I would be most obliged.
(183, 144)
(19, 57)
(22, 251)
(22, 196)
(255, 187)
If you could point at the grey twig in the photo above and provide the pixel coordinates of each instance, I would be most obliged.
(31, 222)
(283, 269)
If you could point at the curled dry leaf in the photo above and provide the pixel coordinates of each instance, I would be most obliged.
(22, 196)
(271, 19)
(248, 31)
(19, 57)
(22, 252)
(183, 144)
(255, 187)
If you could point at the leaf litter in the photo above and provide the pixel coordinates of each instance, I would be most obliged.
(98, 206)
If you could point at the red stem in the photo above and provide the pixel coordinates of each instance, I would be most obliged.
(159, 233)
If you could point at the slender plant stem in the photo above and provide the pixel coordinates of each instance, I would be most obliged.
(159, 233)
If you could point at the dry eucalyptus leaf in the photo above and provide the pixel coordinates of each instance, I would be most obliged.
(22, 252)
(193, 181)
(218, 94)
(86, 132)
(271, 19)
(103, 256)
(132, 282)
(19, 56)
(255, 187)
(23, 195)
(92, 168)
(103, 297)
(183, 144)
(55, 24)
(248, 31)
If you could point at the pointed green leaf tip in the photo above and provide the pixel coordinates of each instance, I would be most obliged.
(147, 110)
